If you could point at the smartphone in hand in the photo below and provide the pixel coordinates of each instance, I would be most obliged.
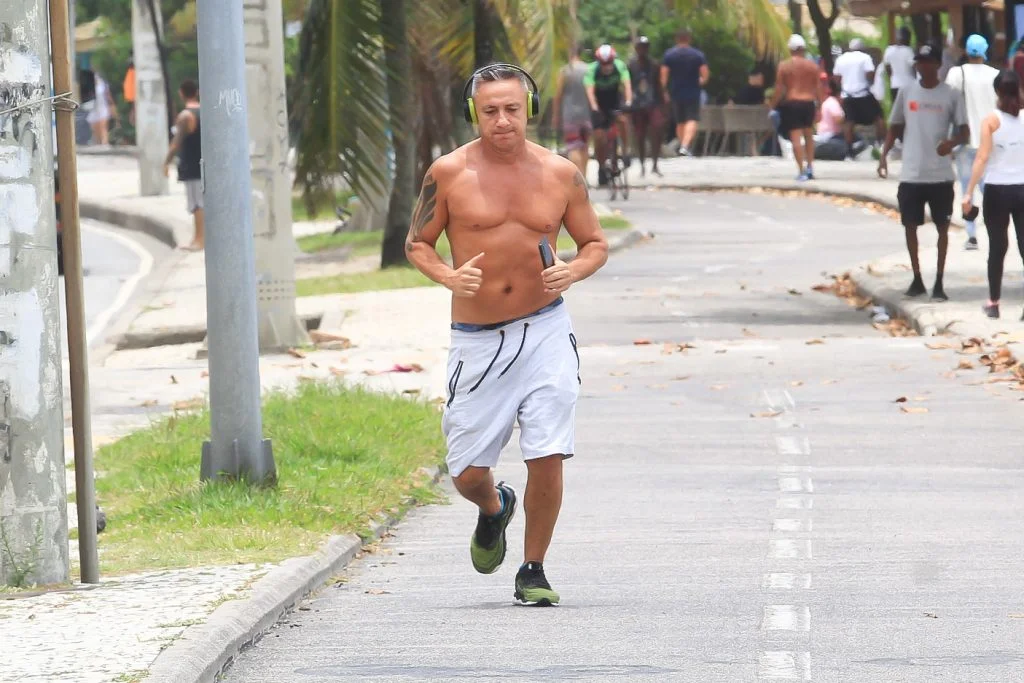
(547, 257)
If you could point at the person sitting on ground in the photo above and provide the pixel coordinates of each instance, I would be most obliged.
(829, 138)
(974, 81)
(857, 73)
(922, 116)
(796, 100)
(1000, 159)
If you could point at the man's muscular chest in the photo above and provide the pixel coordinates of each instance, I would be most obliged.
(479, 203)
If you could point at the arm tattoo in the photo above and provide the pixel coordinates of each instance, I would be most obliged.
(425, 209)
(579, 181)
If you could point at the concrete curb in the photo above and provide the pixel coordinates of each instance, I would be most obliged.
(204, 651)
(109, 151)
(128, 220)
(920, 315)
(194, 334)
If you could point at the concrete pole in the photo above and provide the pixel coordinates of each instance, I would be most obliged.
(236, 447)
(151, 125)
(279, 327)
(33, 499)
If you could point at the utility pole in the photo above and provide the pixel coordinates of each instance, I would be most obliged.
(236, 448)
(151, 124)
(279, 326)
(33, 499)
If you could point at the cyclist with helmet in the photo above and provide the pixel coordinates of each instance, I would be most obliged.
(606, 82)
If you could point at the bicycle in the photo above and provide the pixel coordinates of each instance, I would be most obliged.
(615, 168)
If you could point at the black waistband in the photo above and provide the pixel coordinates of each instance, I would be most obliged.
(470, 327)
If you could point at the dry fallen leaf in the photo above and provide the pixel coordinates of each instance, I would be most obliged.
(681, 378)
(914, 410)
(377, 591)
(901, 399)
(796, 383)
(337, 372)
(190, 404)
(719, 387)
(935, 346)
(204, 373)
(795, 292)
(767, 413)
(749, 333)
(319, 337)
(174, 380)
(641, 342)
(618, 373)
(411, 391)
(296, 353)
(830, 381)
(149, 404)
(965, 365)
(813, 342)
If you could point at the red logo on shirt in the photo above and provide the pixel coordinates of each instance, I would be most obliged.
(913, 105)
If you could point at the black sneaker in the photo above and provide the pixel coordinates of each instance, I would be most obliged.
(991, 310)
(602, 176)
(916, 288)
(972, 244)
(938, 293)
(487, 547)
(532, 587)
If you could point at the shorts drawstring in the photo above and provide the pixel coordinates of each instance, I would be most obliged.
(453, 383)
(522, 343)
(572, 340)
(491, 364)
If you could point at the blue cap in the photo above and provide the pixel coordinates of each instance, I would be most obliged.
(977, 46)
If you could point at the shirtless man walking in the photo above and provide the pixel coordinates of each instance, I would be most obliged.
(797, 87)
(513, 350)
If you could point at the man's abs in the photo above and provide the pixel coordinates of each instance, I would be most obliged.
(512, 284)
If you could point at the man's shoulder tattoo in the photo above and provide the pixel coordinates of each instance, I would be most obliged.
(425, 207)
(579, 181)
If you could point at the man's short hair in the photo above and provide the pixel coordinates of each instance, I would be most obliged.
(491, 74)
(189, 88)
(684, 35)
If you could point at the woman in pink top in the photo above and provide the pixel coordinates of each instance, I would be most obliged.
(832, 116)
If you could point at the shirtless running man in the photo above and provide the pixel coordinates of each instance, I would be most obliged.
(797, 89)
(513, 351)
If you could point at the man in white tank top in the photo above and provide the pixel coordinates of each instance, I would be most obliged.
(973, 81)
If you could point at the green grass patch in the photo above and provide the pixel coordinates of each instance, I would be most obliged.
(343, 456)
(371, 281)
(613, 223)
(361, 243)
(324, 209)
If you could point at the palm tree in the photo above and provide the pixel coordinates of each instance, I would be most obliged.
(339, 100)
(767, 30)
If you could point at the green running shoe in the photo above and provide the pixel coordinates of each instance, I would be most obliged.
(487, 548)
(532, 587)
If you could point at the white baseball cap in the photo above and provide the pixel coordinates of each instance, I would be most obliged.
(797, 42)
(856, 44)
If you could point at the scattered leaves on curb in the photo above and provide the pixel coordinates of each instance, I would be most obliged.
(965, 365)
(935, 346)
(190, 404)
(767, 413)
(814, 342)
(337, 372)
(296, 353)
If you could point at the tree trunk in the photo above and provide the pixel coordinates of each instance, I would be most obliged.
(823, 27)
(796, 16)
(401, 107)
(920, 23)
(156, 16)
(483, 32)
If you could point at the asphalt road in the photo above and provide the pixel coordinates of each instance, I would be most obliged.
(114, 263)
(755, 508)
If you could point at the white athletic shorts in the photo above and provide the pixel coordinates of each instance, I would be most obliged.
(526, 370)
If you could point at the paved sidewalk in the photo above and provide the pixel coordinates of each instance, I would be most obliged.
(886, 277)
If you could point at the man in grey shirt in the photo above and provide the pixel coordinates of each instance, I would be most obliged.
(922, 116)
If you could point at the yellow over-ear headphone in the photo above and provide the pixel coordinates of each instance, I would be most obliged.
(469, 107)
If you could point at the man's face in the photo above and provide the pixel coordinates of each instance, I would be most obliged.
(643, 50)
(501, 110)
(927, 68)
(607, 67)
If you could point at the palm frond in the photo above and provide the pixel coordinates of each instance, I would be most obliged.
(758, 21)
(341, 99)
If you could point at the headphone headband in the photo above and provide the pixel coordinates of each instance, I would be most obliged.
(466, 90)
